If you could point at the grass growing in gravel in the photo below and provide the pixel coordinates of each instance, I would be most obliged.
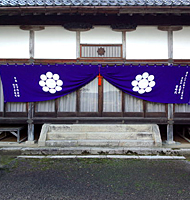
(5, 160)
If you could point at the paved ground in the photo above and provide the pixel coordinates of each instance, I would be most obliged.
(94, 179)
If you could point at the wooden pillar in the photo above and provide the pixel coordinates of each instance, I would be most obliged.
(123, 28)
(31, 104)
(124, 44)
(31, 46)
(170, 29)
(170, 46)
(77, 44)
(170, 125)
(78, 28)
(170, 106)
(30, 121)
(31, 29)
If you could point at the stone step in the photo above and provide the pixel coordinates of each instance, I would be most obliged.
(99, 143)
(100, 128)
(99, 135)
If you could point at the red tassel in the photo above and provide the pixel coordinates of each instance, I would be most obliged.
(99, 79)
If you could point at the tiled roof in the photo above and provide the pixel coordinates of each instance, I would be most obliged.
(13, 3)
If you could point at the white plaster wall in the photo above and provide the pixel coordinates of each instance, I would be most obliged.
(101, 35)
(55, 43)
(181, 43)
(14, 42)
(146, 43)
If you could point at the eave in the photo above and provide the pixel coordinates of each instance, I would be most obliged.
(103, 15)
(96, 9)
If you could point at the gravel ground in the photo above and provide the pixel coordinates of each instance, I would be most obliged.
(95, 179)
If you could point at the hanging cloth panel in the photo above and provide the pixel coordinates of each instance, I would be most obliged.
(30, 83)
(162, 84)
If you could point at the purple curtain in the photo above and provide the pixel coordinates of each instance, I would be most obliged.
(162, 84)
(30, 83)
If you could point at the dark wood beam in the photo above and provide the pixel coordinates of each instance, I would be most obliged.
(98, 19)
(42, 120)
(183, 62)
(99, 9)
(170, 28)
(32, 27)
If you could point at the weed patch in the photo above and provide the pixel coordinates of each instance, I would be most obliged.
(5, 160)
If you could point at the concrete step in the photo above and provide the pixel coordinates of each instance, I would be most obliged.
(99, 135)
(99, 143)
(96, 135)
(100, 128)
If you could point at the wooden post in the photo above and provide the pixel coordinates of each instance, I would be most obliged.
(170, 106)
(124, 44)
(170, 46)
(30, 121)
(77, 44)
(170, 123)
(78, 28)
(31, 104)
(31, 45)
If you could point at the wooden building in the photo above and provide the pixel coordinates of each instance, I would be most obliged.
(78, 31)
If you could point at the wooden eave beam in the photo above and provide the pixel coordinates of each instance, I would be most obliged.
(13, 13)
(183, 62)
(98, 19)
(99, 9)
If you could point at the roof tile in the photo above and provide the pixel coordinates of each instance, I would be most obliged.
(12, 3)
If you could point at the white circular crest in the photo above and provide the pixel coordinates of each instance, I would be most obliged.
(42, 83)
(59, 82)
(141, 91)
(49, 74)
(151, 78)
(45, 89)
(145, 75)
(138, 77)
(143, 83)
(152, 84)
(58, 88)
(148, 89)
(56, 77)
(50, 82)
(43, 77)
(136, 89)
(52, 91)
(134, 83)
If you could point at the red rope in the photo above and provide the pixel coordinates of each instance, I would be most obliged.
(99, 78)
